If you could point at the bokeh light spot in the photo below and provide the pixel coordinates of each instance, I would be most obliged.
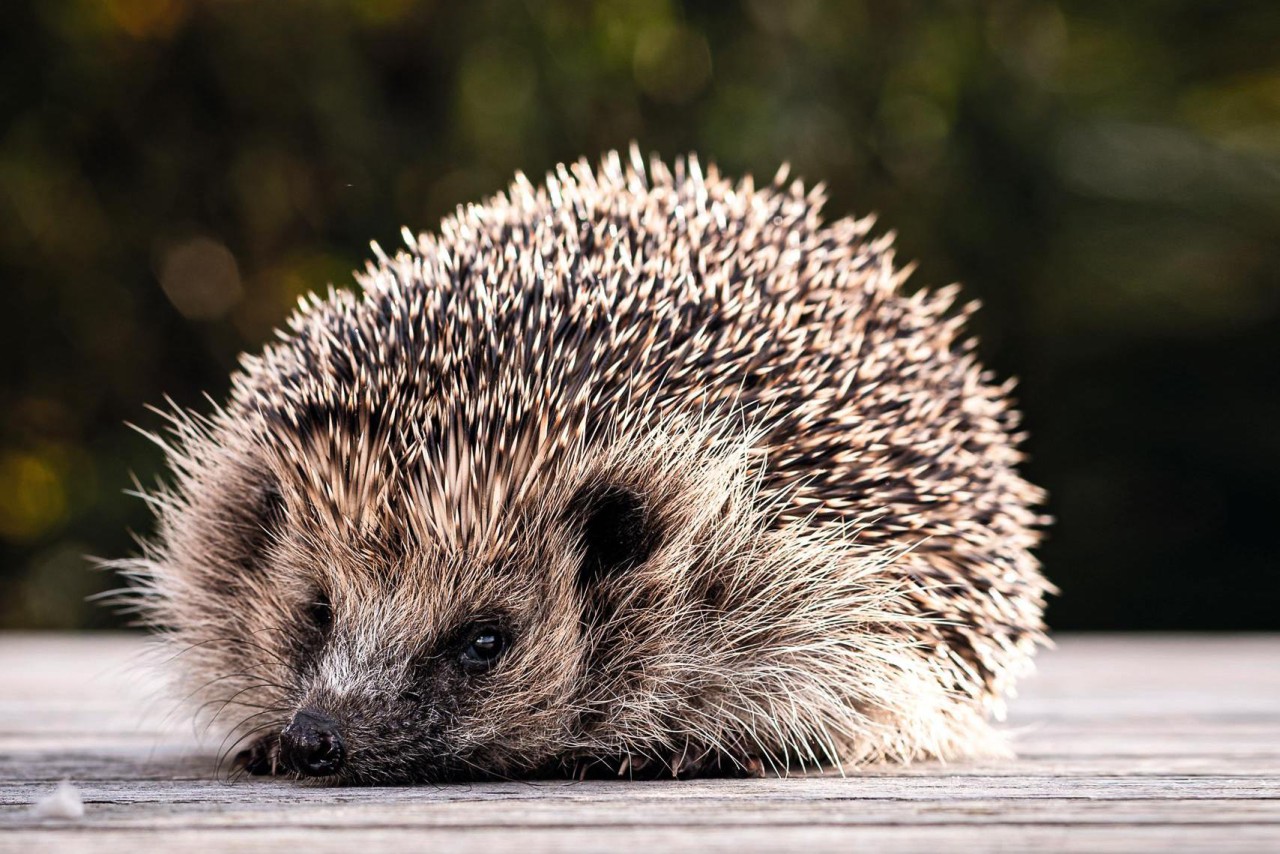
(200, 277)
(32, 497)
(672, 62)
(146, 19)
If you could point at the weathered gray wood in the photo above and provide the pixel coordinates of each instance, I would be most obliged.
(1125, 744)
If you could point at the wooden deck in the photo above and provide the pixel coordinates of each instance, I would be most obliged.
(1126, 744)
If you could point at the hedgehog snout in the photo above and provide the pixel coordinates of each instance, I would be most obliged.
(312, 744)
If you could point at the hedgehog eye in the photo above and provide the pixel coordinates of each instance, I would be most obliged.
(320, 612)
(616, 531)
(484, 645)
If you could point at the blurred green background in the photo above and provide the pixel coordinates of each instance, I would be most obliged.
(1105, 176)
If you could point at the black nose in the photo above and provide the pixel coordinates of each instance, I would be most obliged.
(311, 745)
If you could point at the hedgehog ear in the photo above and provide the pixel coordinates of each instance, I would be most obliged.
(263, 517)
(270, 501)
(615, 529)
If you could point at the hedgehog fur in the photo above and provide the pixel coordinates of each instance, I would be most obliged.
(638, 472)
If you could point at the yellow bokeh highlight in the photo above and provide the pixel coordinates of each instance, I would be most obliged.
(147, 19)
(33, 499)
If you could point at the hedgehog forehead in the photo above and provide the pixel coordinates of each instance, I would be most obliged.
(424, 588)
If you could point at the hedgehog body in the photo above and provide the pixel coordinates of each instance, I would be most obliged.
(639, 471)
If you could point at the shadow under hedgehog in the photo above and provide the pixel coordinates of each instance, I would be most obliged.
(639, 472)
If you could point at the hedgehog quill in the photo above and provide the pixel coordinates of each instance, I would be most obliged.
(638, 472)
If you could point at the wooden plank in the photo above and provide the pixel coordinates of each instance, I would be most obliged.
(898, 838)
(1125, 743)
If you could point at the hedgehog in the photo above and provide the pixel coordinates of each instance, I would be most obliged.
(640, 472)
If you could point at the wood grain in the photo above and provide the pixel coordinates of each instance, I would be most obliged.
(1126, 743)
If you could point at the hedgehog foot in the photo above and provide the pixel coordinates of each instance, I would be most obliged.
(690, 763)
(261, 759)
(684, 764)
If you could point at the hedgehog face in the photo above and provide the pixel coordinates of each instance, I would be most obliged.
(364, 656)
(440, 695)
(458, 691)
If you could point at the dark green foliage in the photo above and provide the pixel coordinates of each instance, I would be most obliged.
(1104, 176)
